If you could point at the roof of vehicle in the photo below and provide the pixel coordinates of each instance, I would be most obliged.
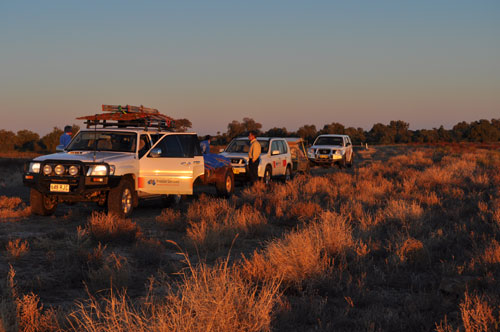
(129, 116)
(333, 135)
(259, 138)
(135, 130)
(294, 139)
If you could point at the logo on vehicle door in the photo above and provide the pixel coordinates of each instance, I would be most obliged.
(152, 182)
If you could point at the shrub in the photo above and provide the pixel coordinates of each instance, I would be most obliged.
(17, 248)
(114, 273)
(303, 254)
(12, 208)
(110, 228)
(171, 219)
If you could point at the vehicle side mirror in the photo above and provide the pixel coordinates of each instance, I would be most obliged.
(60, 148)
(275, 152)
(221, 150)
(348, 144)
(155, 153)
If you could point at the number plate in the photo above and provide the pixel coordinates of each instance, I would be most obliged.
(60, 188)
(238, 170)
(323, 156)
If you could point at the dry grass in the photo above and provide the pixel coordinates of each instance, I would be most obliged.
(17, 248)
(206, 298)
(302, 254)
(110, 228)
(399, 242)
(12, 208)
(214, 223)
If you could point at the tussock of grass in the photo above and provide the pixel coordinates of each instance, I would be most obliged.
(12, 208)
(207, 298)
(302, 254)
(110, 228)
(17, 248)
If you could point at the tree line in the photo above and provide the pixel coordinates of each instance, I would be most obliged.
(396, 132)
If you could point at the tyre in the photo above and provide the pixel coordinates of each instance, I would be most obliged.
(267, 175)
(225, 187)
(351, 161)
(343, 163)
(41, 205)
(121, 199)
(288, 174)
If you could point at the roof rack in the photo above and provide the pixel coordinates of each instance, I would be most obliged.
(129, 116)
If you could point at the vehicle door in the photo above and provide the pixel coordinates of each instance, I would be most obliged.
(274, 153)
(191, 146)
(348, 148)
(167, 168)
(286, 157)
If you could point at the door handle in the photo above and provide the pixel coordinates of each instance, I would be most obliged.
(196, 162)
(186, 163)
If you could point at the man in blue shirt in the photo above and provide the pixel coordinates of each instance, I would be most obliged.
(205, 145)
(66, 137)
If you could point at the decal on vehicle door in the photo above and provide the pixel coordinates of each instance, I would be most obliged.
(274, 164)
(284, 163)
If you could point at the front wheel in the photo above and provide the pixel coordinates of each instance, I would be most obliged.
(41, 204)
(351, 161)
(225, 187)
(267, 175)
(121, 199)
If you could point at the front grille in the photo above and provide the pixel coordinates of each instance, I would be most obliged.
(239, 161)
(324, 151)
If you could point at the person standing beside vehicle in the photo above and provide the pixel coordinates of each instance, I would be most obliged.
(205, 145)
(66, 137)
(253, 157)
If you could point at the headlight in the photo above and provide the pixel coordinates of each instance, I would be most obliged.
(59, 170)
(47, 169)
(34, 168)
(97, 170)
(73, 170)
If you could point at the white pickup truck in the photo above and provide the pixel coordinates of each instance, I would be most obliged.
(116, 165)
(330, 149)
(275, 158)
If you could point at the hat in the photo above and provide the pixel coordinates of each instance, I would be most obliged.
(68, 129)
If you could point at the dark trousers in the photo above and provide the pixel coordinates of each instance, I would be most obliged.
(253, 168)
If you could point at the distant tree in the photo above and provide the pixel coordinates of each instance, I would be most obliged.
(460, 131)
(251, 125)
(276, 132)
(444, 135)
(357, 135)
(182, 125)
(236, 128)
(333, 128)
(50, 141)
(308, 132)
(398, 131)
(381, 134)
(7, 140)
(26, 140)
(484, 131)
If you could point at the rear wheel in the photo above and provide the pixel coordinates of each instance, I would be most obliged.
(225, 187)
(267, 175)
(288, 174)
(121, 199)
(41, 204)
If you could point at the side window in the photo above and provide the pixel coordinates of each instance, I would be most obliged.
(155, 138)
(144, 145)
(283, 147)
(170, 147)
(275, 146)
(190, 145)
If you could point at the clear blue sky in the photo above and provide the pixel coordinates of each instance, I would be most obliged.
(283, 63)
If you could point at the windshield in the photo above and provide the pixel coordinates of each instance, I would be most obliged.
(328, 140)
(104, 141)
(243, 145)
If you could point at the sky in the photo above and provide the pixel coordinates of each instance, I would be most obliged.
(282, 63)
